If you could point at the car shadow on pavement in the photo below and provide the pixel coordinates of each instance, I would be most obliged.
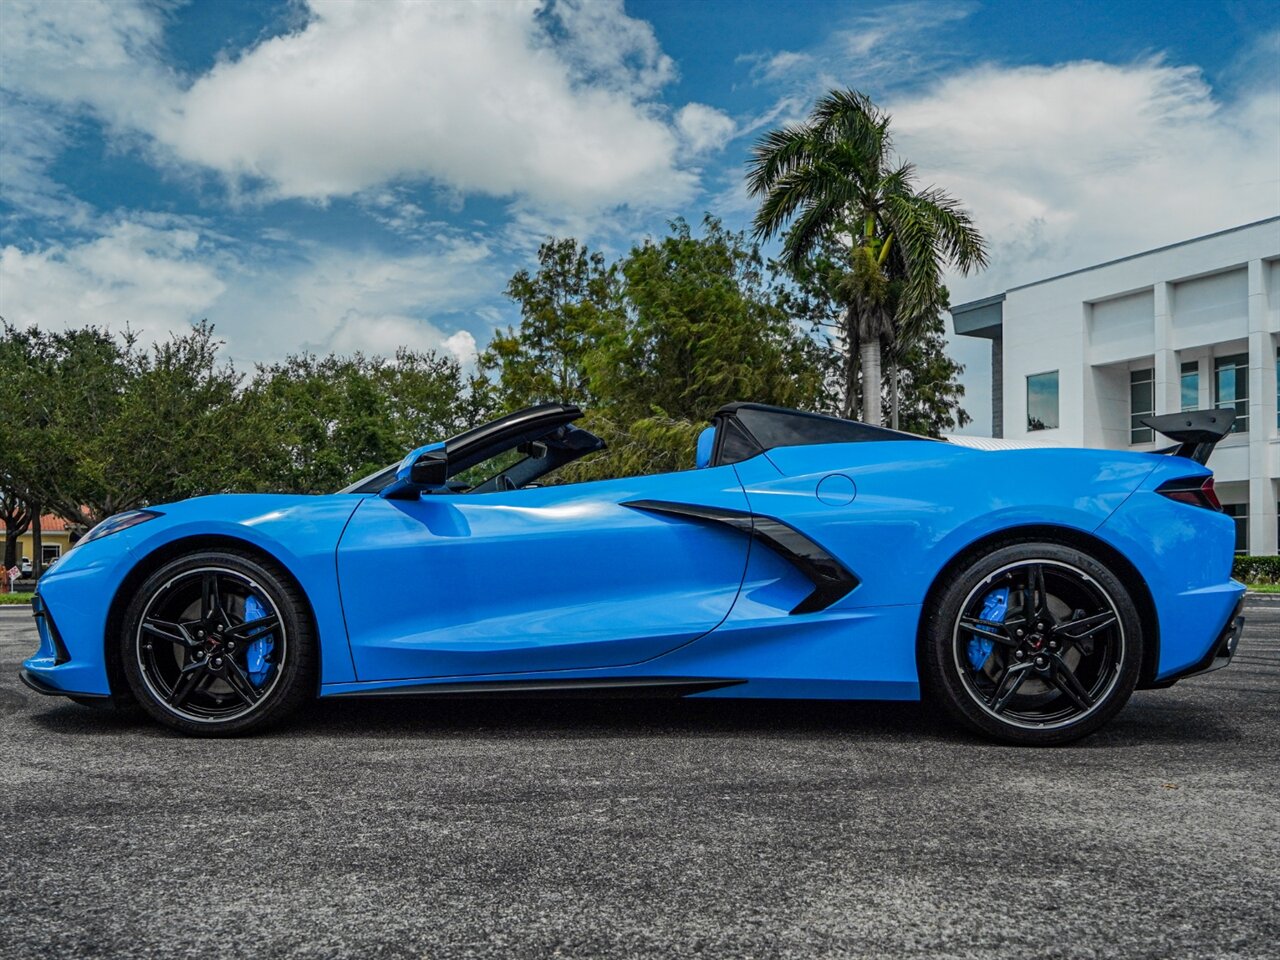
(1150, 719)
(622, 717)
(1143, 722)
(537, 718)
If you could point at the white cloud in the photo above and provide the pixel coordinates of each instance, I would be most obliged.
(153, 280)
(92, 53)
(549, 104)
(31, 142)
(344, 301)
(785, 63)
(704, 128)
(386, 334)
(1072, 164)
(340, 288)
(470, 96)
(606, 47)
(158, 279)
(874, 48)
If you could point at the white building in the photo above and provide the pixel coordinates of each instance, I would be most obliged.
(1076, 359)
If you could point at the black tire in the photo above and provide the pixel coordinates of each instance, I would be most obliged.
(189, 634)
(1042, 679)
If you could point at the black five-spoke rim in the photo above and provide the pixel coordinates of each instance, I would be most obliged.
(1055, 654)
(195, 642)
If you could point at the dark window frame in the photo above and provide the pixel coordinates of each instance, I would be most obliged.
(1239, 363)
(1138, 432)
(1189, 368)
(1239, 512)
(1035, 424)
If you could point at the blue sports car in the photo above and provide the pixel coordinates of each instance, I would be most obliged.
(1025, 592)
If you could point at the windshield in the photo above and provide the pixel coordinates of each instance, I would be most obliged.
(486, 470)
(373, 482)
(511, 452)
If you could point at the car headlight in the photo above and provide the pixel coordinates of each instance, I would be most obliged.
(121, 521)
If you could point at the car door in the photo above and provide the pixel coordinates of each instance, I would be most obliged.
(548, 578)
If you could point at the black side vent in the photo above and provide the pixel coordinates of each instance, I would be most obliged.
(44, 623)
(830, 578)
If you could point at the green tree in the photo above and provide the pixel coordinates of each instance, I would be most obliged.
(67, 387)
(20, 403)
(706, 325)
(105, 426)
(834, 178)
(654, 344)
(322, 422)
(929, 400)
(567, 306)
(931, 392)
(177, 429)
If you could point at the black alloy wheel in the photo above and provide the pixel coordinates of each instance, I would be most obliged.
(218, 643)
(1034, 643)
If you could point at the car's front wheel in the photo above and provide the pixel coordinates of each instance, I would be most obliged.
(218, 643)
(1033, 643)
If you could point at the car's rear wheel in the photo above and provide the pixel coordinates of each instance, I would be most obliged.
(1033, 643)
(218, 643)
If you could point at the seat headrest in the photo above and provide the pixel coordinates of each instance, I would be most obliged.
(706, 443)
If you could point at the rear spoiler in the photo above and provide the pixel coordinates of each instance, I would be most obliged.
(1197, 432)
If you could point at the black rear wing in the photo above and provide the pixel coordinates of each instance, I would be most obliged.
(1197, 432)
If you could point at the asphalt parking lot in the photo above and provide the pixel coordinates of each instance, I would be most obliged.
(637, 828)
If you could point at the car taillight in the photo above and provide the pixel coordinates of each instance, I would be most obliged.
(1197, 491)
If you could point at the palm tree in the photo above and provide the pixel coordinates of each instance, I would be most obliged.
(836, 176)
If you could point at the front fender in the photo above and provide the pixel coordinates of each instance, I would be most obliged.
(301, 533)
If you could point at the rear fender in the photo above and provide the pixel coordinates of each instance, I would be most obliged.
(918, 505)
(1185, 554)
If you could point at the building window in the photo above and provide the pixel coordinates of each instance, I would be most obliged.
(1231, 388)
(1191, 385)
(1142, 403)
(1042, 401)
(1240, 513)
(49, 553)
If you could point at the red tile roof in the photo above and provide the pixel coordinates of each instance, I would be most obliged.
(51, 524)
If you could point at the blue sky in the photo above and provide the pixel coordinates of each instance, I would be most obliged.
(339, 176)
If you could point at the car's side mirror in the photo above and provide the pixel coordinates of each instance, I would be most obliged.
(425, 470)
(430, 470)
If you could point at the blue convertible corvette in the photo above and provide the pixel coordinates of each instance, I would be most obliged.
(1026, 592)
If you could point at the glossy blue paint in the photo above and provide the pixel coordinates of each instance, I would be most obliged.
(300, 532)
(920, 503)
(1184, 554)
(568, 582)
(402, 482)
(706, 443)
(546, 578)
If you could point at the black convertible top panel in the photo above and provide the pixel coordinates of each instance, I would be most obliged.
(479, 443)
(467, 449)
(767, 427)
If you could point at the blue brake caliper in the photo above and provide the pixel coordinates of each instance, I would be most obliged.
(259, 649)
(995, 606)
